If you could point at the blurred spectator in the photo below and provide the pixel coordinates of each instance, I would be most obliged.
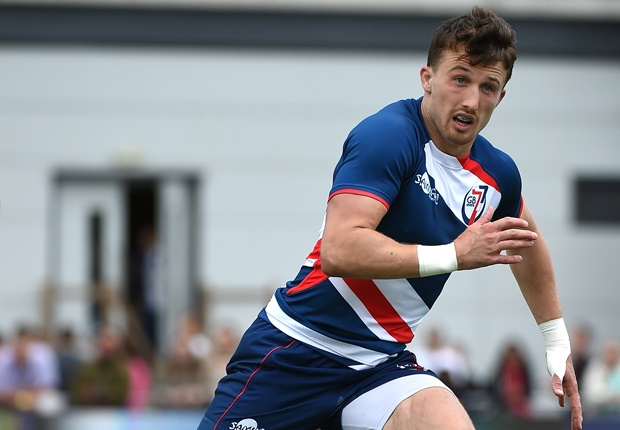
(192, 332)
(28, 372)
(69, 361)
(105, 380)
(145, 288)
(512, 383)
(447, 361)
(601, 380)
(224, 341)
(580, 350)
(139, 371)
(180, 380)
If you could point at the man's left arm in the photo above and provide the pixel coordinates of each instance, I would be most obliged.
(536, 279)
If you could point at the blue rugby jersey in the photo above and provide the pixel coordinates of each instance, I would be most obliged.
(431, 198)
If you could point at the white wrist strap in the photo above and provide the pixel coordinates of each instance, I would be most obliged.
(434, 260)
(558, 346)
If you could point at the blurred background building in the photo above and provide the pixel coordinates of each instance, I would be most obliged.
(163, 158)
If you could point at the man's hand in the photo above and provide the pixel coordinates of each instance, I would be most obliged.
(560, 367)
(568, 387)
(482, 243)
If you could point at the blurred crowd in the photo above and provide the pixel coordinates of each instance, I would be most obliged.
(509, 387)
(47, 376)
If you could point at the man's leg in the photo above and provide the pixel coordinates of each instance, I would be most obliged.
(433, 408)
(418, 401)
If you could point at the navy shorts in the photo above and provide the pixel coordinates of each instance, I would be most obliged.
(275, 382)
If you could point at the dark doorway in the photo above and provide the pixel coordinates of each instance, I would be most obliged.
(95, 273)
(142, 228)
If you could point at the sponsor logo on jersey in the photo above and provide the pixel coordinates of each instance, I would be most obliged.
(474, 204)
(245, 424)
(425, 183)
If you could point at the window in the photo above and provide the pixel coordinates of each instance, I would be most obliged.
(597, 200)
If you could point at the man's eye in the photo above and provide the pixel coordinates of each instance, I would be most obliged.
(488, 88)
(460, 80)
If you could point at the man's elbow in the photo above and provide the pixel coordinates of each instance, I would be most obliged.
(332, 264)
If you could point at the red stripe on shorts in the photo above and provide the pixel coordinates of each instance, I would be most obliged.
(260, 366)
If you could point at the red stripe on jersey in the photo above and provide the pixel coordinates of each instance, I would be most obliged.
(315, 254)
(474, 212)
(475, 168)
(521, 204)
(360, 193)
(316, 276)
(380, 309)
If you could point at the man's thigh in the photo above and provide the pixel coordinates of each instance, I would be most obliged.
(392, 398)
(430, 409)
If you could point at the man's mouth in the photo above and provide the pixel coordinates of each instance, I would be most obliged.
(463, 119)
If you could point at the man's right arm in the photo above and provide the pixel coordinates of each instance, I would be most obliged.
(352, 247)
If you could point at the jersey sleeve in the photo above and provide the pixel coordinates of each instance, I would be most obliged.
(377, 157)
(511, 204)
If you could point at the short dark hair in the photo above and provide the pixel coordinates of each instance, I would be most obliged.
(485, 37)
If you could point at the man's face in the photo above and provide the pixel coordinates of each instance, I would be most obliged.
(459, 100)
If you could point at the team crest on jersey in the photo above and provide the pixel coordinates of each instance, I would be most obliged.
(425, 183)
(474, 204)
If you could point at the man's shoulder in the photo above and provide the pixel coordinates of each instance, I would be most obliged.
(496, 162)
(401, 117)
(484, 150)
(401, 110)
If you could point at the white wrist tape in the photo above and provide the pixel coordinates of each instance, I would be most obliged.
(434, 260)
(558, 346)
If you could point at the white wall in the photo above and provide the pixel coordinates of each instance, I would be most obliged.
(580, 8)
(265, 129)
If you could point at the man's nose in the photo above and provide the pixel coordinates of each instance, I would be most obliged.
(472, 98)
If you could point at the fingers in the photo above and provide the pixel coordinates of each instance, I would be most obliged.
(512, 233)
(508, 259)
(572, 391)
(568, 388)
(515, 237)
(487, 216)
(556, 386)
(511, 222)
(483, 243)
(510, 228)
(516, 241)
(576, 413)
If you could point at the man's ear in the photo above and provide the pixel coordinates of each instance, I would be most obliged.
(426, 77)
(501, 97)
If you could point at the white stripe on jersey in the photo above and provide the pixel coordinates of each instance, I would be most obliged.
(366, 357)
(361, 310)
(309, 262)
(401, 295)
(405, 300)
(452, 181)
